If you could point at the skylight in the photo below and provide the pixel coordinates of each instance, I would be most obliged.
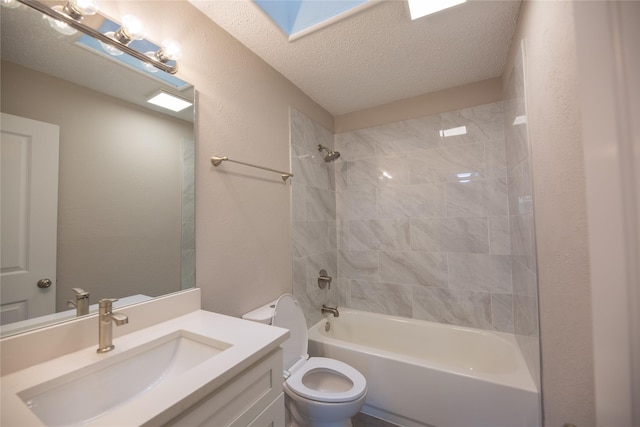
(420, 8)
(297, 18)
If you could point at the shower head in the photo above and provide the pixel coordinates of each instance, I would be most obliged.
(331, 155)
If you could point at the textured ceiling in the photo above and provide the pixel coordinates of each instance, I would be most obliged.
(378, 55)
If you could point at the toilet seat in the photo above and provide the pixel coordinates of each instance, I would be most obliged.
(297, 364)
(329, 367)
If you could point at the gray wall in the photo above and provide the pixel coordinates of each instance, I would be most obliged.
(120, 187)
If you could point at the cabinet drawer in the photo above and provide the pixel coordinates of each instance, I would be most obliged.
(241, 399)
(273, 416)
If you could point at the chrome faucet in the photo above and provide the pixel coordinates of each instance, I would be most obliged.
(331, 310)
(81, 303)
(105, 317)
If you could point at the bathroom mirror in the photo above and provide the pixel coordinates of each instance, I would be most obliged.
(125, 175)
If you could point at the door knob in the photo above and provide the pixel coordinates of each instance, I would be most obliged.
(44, 283)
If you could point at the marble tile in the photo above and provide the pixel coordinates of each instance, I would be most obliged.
(378, 172)
(477, 198)
(379, 234)
(310, 169)
(188, 277)
(298, 201)
(406, 136)
(462, 308)
(307, 134)
(450, 235)
(481, 124)
(342, 288)
(342, 234)
(496, 158)
(341, 167)
(448, 164)
(502, 312)
(310, 308)
(480, 273)
(520, 189)
(525, 315)
(356, 204)
(522, 239)
(302, 130)
(382, 298)
(524, 279)
(300, 276)
(358, 265)
(411, 201)
(499, 237)
(354, 145)
(321, 204)
(333, 235)
(413, 268)
(516, 138)
(310, 237)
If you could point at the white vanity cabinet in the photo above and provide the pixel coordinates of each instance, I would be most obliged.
(252, 398)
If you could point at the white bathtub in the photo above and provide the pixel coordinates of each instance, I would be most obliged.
(430, 374)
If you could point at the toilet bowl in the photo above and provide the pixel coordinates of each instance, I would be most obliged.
(320, 392)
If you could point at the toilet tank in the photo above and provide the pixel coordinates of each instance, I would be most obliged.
(262, 314)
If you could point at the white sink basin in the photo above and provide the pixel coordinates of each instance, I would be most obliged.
(86, 394)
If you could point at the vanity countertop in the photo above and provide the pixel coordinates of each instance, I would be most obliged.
(249, 342)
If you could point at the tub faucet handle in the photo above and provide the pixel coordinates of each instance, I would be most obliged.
(324, 280)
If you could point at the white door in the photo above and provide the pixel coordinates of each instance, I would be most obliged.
(29, 214)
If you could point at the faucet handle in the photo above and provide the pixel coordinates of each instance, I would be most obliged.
(80, 293)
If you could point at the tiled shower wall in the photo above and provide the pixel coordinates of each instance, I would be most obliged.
(423, 219)
(413, 220)
(313, 215)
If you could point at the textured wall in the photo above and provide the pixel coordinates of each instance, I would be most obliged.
(554, 122)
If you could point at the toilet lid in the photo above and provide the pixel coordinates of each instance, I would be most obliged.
(289, 315)
(350, 384)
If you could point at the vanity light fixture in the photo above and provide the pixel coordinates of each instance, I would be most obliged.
(9, 4)
(74, 9)
(131, 29)
(420, 8)
(66, 20)
(169, 101)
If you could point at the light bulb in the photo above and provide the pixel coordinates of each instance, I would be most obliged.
(9, 4)
(148, 66)
(132, 27)
(59, 26)
(85, 7)
(111, 50)
(170, 51)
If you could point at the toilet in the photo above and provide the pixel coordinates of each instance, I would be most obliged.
(320, 392)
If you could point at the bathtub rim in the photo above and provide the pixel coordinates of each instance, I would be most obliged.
(519, 380)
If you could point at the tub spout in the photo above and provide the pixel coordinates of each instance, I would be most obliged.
(330, 310)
